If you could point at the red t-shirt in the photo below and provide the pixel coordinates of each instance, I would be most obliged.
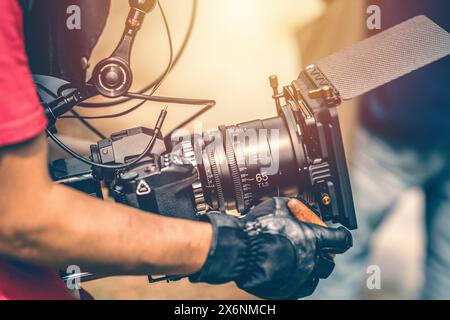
(21, 118)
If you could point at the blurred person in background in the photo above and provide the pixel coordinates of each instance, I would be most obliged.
(403, 143)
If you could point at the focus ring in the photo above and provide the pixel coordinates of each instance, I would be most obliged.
(217, 182)
(197, 188)
(229, 150)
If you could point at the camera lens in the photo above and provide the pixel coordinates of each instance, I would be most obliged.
(241, 165)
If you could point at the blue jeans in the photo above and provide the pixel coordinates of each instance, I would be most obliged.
(381, 173)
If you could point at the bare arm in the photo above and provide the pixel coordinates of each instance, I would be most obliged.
(51, 225)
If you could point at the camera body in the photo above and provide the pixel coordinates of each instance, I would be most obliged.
(154, 184)
(191, 175)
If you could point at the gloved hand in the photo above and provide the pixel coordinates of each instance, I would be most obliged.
(269, 253)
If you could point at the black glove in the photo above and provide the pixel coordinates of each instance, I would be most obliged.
(269, 253)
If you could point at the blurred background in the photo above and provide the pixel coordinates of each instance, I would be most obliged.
(235, 46)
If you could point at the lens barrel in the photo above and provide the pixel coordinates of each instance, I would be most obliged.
(241, 165)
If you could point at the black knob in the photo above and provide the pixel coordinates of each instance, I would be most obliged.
(112, 77)
(143, 5)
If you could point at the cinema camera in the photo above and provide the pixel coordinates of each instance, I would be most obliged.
(225, 170)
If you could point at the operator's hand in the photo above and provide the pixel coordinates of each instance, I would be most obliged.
(269, 253)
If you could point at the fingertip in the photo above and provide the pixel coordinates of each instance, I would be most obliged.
(337, 240)
(347, 235)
